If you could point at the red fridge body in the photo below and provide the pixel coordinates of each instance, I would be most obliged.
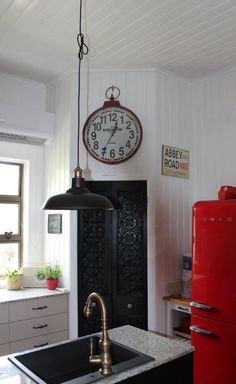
(213, 299)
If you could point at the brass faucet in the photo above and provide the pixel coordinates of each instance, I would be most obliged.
(104, 343)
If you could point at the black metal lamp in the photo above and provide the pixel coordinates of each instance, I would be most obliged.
(78, 197)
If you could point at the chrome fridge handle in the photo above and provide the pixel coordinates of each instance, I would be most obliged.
(200, 330)
(199, 305)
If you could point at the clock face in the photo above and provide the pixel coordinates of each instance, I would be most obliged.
(112, 134)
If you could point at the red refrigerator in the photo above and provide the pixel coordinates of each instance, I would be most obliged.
(213, 298)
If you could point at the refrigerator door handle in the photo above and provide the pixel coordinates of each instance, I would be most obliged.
(200, 330)
(199, 305)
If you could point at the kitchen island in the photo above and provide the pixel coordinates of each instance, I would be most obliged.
(172, 360)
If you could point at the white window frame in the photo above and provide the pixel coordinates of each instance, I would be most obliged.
(9, 199)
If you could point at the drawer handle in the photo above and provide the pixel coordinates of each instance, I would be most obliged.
(40, 345)
(129, 306)
(202, 331)
(40, 326)
(183, 309)
(39, 308)
(200, 305)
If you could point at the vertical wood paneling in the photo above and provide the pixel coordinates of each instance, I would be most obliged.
(214, 121)
(57, 170)
(173, 194)
(160, 103)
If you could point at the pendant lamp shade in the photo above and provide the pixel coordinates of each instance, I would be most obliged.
(78, 197)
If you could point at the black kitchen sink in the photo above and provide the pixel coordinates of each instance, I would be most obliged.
(68, 362)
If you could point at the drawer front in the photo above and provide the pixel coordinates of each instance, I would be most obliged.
(37, 327)
(181, 308)
(42, 306)
(4, 349)
(4, 333)
(4, 313)
(37, 342)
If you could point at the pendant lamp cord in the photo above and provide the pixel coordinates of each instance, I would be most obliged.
(83, 50)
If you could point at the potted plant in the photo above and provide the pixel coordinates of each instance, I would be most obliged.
(14, 279)
(51, 274)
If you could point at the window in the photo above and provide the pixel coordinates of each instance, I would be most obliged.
(11, 202)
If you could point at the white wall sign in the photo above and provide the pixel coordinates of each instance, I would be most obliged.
(175, 162)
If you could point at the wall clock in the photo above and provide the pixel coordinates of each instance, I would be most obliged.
(113, 133)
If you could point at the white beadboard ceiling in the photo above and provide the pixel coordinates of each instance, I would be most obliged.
(189, 38)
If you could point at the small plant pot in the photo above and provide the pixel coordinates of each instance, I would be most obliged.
(14, 282)
(51, 283)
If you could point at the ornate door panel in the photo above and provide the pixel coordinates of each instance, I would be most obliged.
(93, 264)
(112, 255)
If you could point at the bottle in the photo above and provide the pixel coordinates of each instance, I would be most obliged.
(186, 275)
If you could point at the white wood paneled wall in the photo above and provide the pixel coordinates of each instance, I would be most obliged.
(214, 122)
(163, 105)
(57, 168)
(200, 117)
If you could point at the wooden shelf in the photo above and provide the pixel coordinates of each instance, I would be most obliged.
(178, 332)
(177, 300)
(176, 307)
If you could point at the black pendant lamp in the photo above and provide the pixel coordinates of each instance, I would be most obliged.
(78, 197)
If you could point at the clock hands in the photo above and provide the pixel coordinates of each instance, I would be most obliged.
(104, 149)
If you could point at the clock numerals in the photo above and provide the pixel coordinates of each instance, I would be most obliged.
(95, 145)
(128, 124)
(113, 116)
(112, 154)
(97, 126)
(93, 135)
(131, 135)
(121, 151)
(103, 119)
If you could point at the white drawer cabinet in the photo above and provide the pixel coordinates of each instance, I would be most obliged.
(4, 329)
(31, 323)
(4, 333)
(37, 342)
(38, 326)
(4, 313)
(41, 306)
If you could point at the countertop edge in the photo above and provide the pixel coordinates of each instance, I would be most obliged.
(10, 296)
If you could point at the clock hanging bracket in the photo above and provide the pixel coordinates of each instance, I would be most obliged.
(114, 93)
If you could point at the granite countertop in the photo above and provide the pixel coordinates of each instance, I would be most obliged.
(161, 348)
(28, 293)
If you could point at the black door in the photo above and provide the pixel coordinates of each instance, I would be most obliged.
(112, 255)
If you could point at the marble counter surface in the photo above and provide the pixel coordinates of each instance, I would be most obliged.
(28, 293)
(161, 348)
